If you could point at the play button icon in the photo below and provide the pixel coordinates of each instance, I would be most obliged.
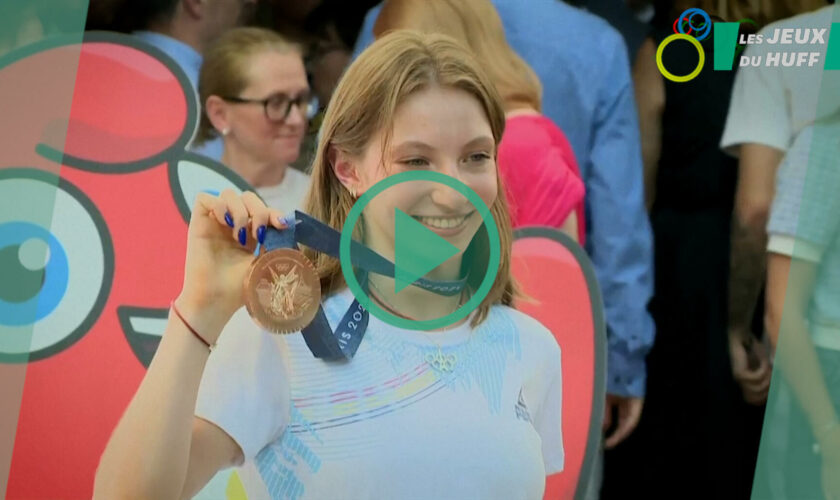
(417, 250)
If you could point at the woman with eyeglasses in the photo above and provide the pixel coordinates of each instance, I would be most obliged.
(256, 96)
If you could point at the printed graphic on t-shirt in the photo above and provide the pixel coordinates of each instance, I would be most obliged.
(522, 409)
(328, 408)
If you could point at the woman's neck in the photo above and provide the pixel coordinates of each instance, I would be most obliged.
(414, 302)
(256, 173)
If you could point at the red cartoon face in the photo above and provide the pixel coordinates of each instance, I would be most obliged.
(93, 214)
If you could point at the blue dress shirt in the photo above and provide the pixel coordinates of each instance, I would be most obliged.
(587, 91)
(189, 61)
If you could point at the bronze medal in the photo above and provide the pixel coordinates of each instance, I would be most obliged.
(282, 291)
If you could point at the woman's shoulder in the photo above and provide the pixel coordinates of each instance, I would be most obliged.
(533, 133)
(531, 331)
(528, 129)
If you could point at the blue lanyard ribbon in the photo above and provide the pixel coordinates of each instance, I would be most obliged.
(342, 343)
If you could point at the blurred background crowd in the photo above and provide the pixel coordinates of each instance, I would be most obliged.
(689, 197)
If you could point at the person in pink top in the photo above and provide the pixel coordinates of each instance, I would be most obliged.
(536, 161)
(541, 175)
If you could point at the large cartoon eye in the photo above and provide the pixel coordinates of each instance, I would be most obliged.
(56, 264)
(194, 173)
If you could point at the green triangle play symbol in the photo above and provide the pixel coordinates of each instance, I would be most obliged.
(417, 250)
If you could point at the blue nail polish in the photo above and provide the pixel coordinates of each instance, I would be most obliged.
(228, 219)
(243, 236)
(261, 234)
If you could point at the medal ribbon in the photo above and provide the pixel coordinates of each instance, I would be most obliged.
(319, 336)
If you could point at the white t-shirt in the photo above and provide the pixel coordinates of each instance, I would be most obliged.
(288, 195)
(771, 105)
(386, 425)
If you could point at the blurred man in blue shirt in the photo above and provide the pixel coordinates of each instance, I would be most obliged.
(587, 91)
(183, 29)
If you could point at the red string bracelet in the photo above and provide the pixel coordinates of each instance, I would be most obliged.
(190, 328)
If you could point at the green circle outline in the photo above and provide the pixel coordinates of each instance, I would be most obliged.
(463, 310)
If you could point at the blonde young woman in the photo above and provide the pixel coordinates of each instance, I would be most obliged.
(540, 173)
(256, 97)
(385, 424)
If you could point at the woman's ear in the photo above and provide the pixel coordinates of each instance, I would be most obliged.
(345, 169)
(194, 8)
(217, 113)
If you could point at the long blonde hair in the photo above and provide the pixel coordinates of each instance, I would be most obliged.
(225, 67)
(364, 104)
(476, 24)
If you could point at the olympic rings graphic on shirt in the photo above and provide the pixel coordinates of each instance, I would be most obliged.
(667, 74)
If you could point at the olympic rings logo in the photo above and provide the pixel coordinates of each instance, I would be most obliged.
(701, 31)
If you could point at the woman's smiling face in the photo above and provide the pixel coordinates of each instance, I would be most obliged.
(438, 129)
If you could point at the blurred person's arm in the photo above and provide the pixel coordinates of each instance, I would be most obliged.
(758, 130)
(650, 101)
(756, 187)
(620, 243)
(754, 195)
(801, 306)
(790, 282)
(570, 226)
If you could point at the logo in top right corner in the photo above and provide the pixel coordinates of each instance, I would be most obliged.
(694, 25)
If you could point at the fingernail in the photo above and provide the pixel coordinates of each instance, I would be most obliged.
(228, 219)
(243, 236)
(261, 234)
(282, 221)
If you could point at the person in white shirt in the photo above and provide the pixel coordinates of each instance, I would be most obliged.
(803, 319)
(255, 95)
(770, 105)
(786, 206)
(388, 423)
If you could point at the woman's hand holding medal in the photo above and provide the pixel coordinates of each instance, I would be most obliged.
(223, 234)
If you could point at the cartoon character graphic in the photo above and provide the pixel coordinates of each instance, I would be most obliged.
(95, 194)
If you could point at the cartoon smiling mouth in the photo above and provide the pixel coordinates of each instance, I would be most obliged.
(143, 328)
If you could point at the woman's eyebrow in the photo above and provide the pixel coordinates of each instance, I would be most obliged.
(483, 140)
(412, 146)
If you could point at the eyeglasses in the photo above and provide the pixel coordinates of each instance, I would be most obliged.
(278, 106)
